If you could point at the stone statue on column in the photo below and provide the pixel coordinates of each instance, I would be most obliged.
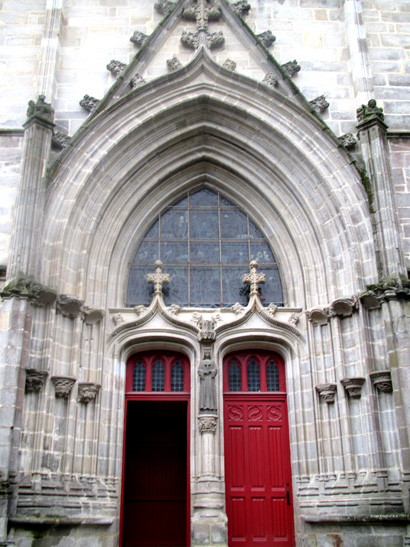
(207, 390)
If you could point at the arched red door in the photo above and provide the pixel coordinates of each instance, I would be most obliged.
(257, 454)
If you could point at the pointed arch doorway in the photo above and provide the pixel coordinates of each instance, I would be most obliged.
(155, 491)
(258, 477)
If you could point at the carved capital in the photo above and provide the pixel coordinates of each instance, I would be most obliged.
(382, 380)
(369, 112)
(63, 386)
(291, 68)
(35, 379)
(207, 424)
(353, 386)
(139, 38)
(87, 392)
(69, 306)
(90, 316)
(40, 109)
(89, 103)
(318, 316)
(327, 392)
(267, 38)
(319, 104)
(343, 307)
(270, 80)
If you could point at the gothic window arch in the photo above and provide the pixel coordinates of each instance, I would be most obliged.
(205, 243)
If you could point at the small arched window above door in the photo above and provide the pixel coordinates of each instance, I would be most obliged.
(154, 372)
(254, 373)
(205, 243)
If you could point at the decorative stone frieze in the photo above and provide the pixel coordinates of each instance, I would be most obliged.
(241, 8)
(270, 80)
(267, 38)
(116, 67)
(137, 81)
(382, 380)
(25, 287)
(59, 141)
(238, 308)
(207, 372)
(319, 104)
(90, 316)
(318, 316)
(253, 279)
(40, 109)
(353, 386)
(174, 64)
(35, 379)
(369, 112)
(164, 6)
(158, 279)
(347, 140)
(207, 424)
(174, 309)
(327, 392)
(190, 39)
(291, 68)
(343, 307)
(63, 386)
(87, 392)
(229, 64)
(89, 103)
(118, 319)
(69, 306)
(138, 38)
(202, 11)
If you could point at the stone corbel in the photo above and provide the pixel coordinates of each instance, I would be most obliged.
(90, 316)
(35, 379)
(63, 386)
(69, 306)
(343, 307)
(353, 386)
(87, 392)
(318, 316)
(382, 380)
(327, 392)
(370, 300)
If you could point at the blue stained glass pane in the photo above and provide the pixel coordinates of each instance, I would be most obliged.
(261, 253)
(204, 253)
(158, 376)
(272, 376)
(153, 232)
(138, 377)
(147, 253)
(233, 290)
(177, 377)
(235, 382)
(234, 225)
(235, 253)
(254, 232)
(177, 290)
(204, 198)
(204, 225)
(226, 203)
(254, 381)
(174, 224)
(139, 292)
(271, 291)
(205, 286)
(174, 252)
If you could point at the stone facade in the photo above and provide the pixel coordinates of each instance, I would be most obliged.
(298, 112)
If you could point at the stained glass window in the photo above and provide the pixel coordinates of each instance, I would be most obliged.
(177, 376)
(205, 243)
(235, 383)
(254, 377)
(138, 377)
(158, 376)
(272, 376)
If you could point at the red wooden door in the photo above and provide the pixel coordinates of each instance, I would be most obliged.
(257, 454)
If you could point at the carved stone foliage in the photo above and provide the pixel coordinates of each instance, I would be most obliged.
(35, 379)
(174, 309)
(347, 140)
(69, 306)
(207, 389)
(382, 380)
(241, 8)
(319, 104)
(92, 316)
(139, 38)
(137, 81)
(26, 287)
(174, 64)
(318, 316)
(116, 67)
(59, 141)
(63, 386)
(267, 38)
(237, 308)
(190, 39)
(343, 307)
(327, 392)
(207, 424)
(353, 386)
(140, 310)
(271, 309)
(41, 109)
(215, 39)
(89, 103)
(369, 112)
(270, 80)
(291, 68)
(118, 319)
(229, 64)
(294, 319)
(87, 392)
(202, 11)
(164, 6)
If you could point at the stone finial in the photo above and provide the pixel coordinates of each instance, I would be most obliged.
(291, 68)
(369, 112)
(253, 279)
(35, 379)
(207, 424)
(89, 103)
(318, 316)
(327, 392)
(59, 141)
(190, 39)
(241, 7)
(270, 80)
(229, 64)
(158, 278)
(267, 38)
(138, 38)
(91, 316)
(116, 67)
(382, 380)
(202, 11)
(164, 6)
(137, 81)
(63, 386)
(347, 140)
(353, 386)
(174, 64)
(87, 392)
(343, 307)
(41, 109)
(319, 104)
(69, 306)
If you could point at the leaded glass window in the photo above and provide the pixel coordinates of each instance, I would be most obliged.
(254, 377)
(235, 383)
(177, 377)
(158, 376)
(205, 243)
(272, 376)
(138, 377)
